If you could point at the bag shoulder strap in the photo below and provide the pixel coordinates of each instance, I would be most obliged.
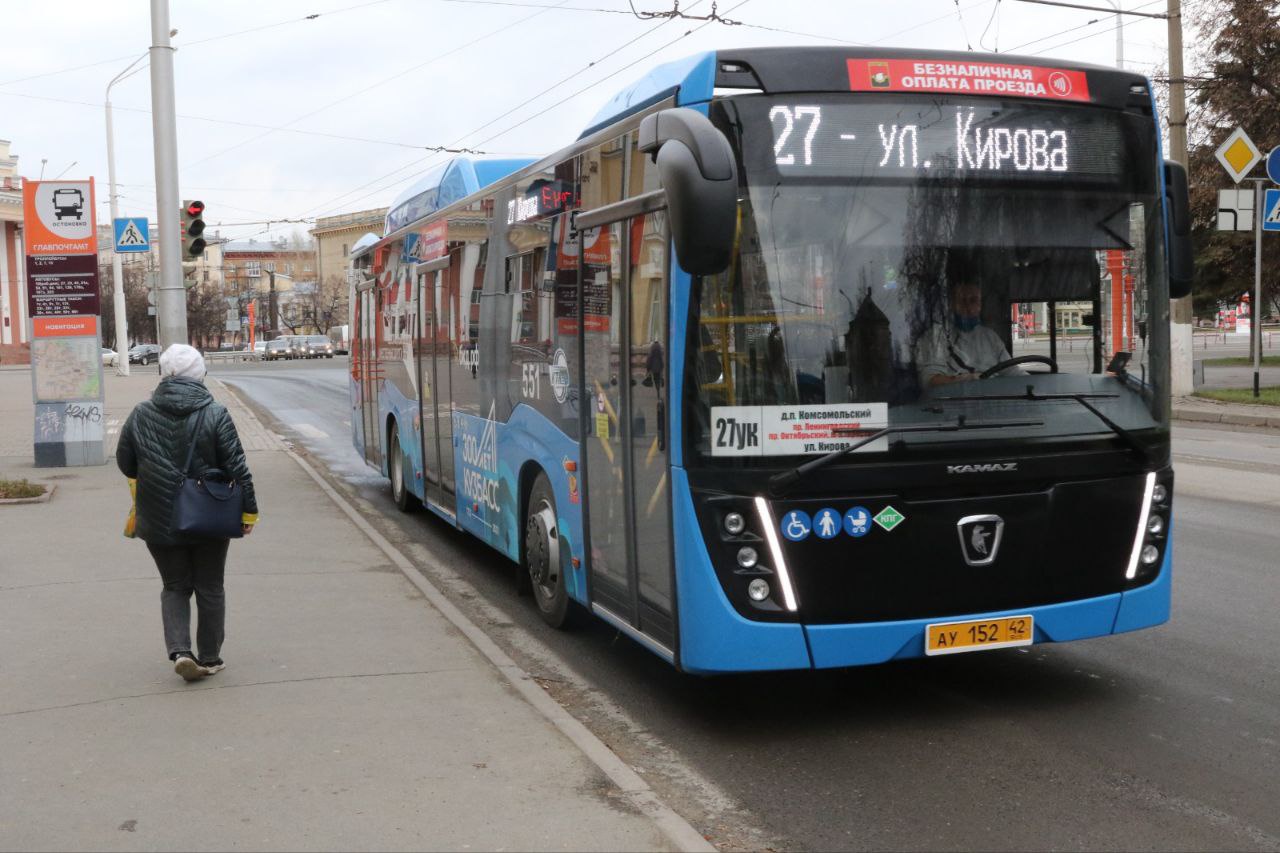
(195, 437)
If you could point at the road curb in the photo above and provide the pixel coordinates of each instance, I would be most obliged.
(1228, 418)
(675, 829)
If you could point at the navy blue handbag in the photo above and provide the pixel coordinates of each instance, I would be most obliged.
(208, 505)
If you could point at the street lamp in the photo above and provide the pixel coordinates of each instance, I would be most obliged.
(117, 278)
(1115, 4)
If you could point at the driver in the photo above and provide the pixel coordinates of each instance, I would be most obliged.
(960, 349)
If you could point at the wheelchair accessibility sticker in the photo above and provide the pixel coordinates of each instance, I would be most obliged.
(796, 525)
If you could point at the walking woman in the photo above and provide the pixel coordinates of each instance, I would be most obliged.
(181, 421)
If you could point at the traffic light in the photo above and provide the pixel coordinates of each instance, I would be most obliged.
(192, 229)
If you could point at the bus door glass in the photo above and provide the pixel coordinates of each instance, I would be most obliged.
(445, 352)
(369, 373)
(428, 398)
(627, 480)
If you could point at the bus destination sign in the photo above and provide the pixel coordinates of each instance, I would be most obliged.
(967, 78)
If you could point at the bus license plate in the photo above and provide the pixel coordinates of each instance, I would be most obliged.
(948, 638)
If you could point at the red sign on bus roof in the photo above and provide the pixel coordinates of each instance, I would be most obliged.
(967, 78)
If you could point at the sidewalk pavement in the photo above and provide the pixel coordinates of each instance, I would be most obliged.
(1217, 412)
(352, 715)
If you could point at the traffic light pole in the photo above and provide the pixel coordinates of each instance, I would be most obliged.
(171, 296)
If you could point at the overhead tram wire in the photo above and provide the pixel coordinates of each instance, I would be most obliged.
(116, 59)
(429, 162)
(1090, 23)
(568, 97)
(234, 123)
(963, 29)
(921, 24)
(313, 16)
(1185, 5)
(398, 74)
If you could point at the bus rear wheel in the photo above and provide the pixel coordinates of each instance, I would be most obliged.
(542, 555)
(405, 501)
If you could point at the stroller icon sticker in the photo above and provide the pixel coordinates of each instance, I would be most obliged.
(796, 525)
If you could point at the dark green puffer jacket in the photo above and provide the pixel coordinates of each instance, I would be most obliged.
(153, 448)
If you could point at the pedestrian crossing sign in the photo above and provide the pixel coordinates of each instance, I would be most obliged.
(1271, 211)
(132, 234)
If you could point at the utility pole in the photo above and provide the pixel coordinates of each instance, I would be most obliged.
(1180, 342)
(272, 305)
(171, 295)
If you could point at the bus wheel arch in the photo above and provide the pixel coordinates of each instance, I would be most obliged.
(398, 469)
(542, 563)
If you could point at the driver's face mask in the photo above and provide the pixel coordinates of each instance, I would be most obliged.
(965, 323)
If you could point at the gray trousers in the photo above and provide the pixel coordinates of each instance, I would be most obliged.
(186, 569)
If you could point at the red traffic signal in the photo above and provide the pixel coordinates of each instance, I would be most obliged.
(193, 243)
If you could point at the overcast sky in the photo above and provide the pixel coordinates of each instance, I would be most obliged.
(373, 83)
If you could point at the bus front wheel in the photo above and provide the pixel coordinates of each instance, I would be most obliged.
(405, 501)
(542, 555)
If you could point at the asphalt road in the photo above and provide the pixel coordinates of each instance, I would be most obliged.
(1164, 739)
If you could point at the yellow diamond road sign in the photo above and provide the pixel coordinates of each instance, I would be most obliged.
(1238, 155)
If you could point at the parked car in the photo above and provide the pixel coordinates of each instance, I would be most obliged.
(144, 353)
(276, 350)
(109, 357)
(317, 346)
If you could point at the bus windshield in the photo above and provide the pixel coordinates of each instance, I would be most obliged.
(910, 259)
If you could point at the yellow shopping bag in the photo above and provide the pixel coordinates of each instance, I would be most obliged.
(131, 523)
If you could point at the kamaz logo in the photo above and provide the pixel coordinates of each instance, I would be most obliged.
(984, 468)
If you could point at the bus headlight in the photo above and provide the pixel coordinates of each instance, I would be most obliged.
(1151, 537)
(747, 557)
(758, 589)
(734, 523)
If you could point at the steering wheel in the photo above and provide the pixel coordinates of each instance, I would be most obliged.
(1015, 361)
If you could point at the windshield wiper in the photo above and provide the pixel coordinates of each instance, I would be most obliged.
(781, 483)
(1083, 399)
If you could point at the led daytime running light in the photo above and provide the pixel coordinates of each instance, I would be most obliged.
(1132, 571)
(784, 577)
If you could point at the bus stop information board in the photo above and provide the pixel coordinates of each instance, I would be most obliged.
(63, 304)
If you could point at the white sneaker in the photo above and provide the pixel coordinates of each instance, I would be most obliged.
(216, 666)
(189, 669)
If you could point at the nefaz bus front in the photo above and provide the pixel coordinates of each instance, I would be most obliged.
(801, 358)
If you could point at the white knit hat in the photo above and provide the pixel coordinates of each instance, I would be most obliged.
(182, 362)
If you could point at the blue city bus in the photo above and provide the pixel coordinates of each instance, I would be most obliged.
(799, 357)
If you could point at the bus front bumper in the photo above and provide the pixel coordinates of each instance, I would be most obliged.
(878, 642)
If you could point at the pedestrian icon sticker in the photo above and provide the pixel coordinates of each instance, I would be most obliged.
(889, 518)
(1271, 210)
(857, 522)
(827, 524)
(132, 235)
(796, 525)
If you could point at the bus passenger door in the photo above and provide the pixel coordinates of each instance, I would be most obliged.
(446, 346)
(624, 325)
(369, 375)
(431, 405)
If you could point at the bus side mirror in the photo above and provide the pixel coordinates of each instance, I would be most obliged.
(1177, 200)
(700, 177)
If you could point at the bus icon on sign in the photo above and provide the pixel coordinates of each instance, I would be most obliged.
(68, 202)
